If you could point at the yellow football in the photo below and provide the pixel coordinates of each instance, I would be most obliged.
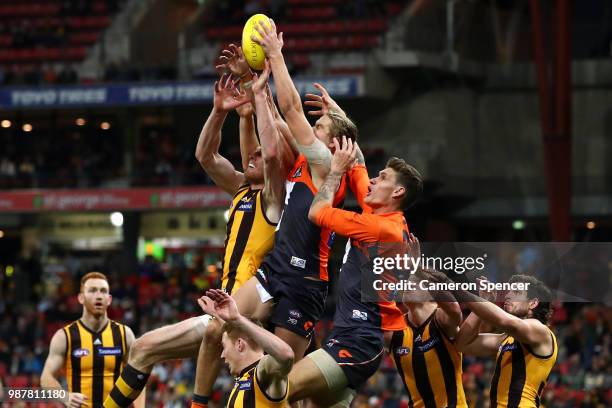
(253, 53)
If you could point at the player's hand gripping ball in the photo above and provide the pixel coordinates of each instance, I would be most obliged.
(253, 52)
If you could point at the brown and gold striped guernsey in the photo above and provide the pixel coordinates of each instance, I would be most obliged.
(247, 393)
(520, 375)
(94, 360)
(429, 366)
(249, 237)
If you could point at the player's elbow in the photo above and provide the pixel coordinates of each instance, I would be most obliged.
(454, 312)
(47, 379)
(269, 154)
(286, 356)
(312, 213)
(205, 160)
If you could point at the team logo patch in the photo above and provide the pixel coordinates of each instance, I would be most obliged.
(245, 385)
(295, 313)
(332, 342)
(292, 321)
(298, 262)
(80, 353)
(402, 351)
(359, 315)
(109, 351)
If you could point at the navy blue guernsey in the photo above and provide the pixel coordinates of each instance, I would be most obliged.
(301, 248)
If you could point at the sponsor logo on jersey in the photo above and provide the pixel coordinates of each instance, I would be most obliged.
(508, 347)
(295, 313)
(79, 353)
(402, 351)
(428, 345)
(109, 351)
(359, 315)
(245, 207)
(245, 385)
(298, 262)
(292, 321)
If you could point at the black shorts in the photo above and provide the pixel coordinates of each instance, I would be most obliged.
(299, 303)
(358, 352)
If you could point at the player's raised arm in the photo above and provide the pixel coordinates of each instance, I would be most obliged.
(288, 96)
(218, 167)
(232, 60)
(277, 362)
(274, 178)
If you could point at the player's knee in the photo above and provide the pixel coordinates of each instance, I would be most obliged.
(142, 349)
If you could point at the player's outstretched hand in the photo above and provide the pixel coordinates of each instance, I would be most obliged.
(232, 59)
(260, 81)
(270, 41)
(227, 96)
(322, 104)
(76, 400)
(414, 247)
(219, 304)
(344, 156)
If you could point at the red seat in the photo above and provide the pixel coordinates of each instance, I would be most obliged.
(311, 13)
(19, 381)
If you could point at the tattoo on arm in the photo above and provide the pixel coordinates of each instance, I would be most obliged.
(325, 195)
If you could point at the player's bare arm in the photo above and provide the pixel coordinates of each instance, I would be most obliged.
(53, 366)
(528, 331)
(288, 96)
(449, 317)
(274, 367)
(274, 179)
(344, 159)
(221, 170)
(129, 340)
(316, 152)
(322, 105)
(232, 60)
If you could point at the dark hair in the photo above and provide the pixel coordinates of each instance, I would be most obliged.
(537, 290)
(234, 332)
(409, 178)
(342, 125)
(91, 275)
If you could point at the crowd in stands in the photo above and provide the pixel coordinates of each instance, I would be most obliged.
(160, 294)
(72, 156)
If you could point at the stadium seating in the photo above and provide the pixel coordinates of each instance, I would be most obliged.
(320, 26)
(50, 31)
